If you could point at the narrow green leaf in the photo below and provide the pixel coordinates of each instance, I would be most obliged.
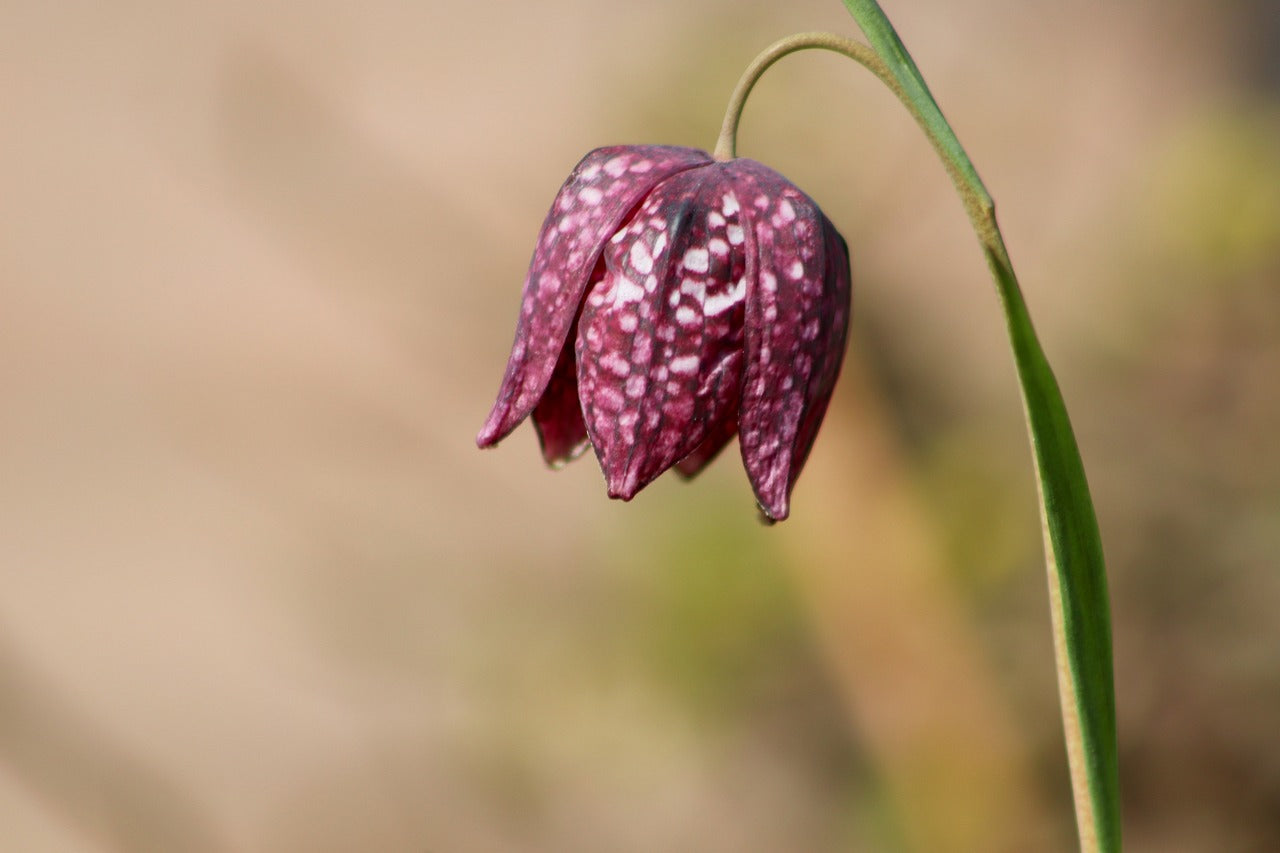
(1073, 547)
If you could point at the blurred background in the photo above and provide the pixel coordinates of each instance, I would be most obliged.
(259, 271)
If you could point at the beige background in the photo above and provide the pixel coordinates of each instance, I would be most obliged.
(259, 268)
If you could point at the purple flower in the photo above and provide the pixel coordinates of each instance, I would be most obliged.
(674, 301)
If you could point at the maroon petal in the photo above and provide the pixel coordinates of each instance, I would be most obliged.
(837, 292)
(594, 201)
(797, 311)
(706, 452)
(558, 415)
(660, 338)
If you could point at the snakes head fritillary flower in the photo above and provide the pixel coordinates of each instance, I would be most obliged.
(672, 302)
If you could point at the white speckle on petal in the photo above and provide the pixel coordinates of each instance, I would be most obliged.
(628, 322)
(590, 195)
(730, 204)
(609, 399)
(616, 166)
(635, 386)
(686, 316)
(640, 258)
(685, 365)
(642, 349)
(718, 302)
(615, 364)
(769, 282)
(714, 219)
(626, 290)
(697, 260)
(641, 167)
(796, 270)
(786, 212)
(735, 234)
(718, 247)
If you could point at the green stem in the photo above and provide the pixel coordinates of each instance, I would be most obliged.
(1073, 546)
(727, 144)
(1073, 550)
(976, 200)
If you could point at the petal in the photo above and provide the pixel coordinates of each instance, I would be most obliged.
(797, 316)
(716, 441)
(837, 292)
(595, 200)
(558, 415)
(660, 338)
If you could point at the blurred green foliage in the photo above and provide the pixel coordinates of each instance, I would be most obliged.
(1216, 190)
(722, 623)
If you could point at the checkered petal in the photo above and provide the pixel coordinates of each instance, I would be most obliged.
(660, 338)
(796, 319)
(593, 203)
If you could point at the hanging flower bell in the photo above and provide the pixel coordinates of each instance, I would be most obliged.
(674, 300)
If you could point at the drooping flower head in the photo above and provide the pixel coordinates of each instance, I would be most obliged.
(674, 300)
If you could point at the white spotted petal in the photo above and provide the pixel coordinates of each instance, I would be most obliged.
(673, 302)
(592, 204)
(660, 336)
(796, 324)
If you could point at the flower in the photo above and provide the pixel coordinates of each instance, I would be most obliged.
(673, 301)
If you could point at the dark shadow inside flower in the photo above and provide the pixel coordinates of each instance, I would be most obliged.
(558, 416)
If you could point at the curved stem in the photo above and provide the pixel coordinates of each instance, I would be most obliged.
(727, 144)
(973, 193)
(1073, 548)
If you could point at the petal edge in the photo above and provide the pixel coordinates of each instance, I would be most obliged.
(793, 308)
(593, 202)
